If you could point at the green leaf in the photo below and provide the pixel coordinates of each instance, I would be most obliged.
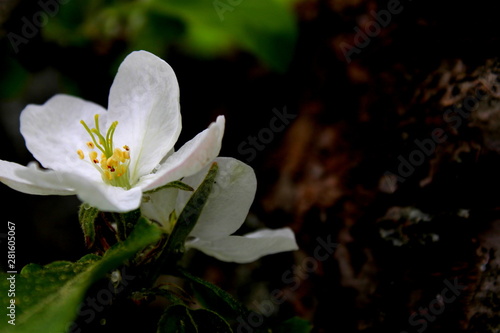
(87, 216)
(191, 212)
(294, 325)
(175, 184)
(177, 319)
(209, 322)
(174, 293)
(215, 298)
(47, 298)
(180, 319)
(174, 247)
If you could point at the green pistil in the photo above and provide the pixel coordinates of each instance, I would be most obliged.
(104, 144)
(122, 181)
(109, 136)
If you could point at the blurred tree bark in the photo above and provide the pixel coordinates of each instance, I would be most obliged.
(395, 154)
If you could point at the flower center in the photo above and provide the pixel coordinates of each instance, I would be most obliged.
(113, 162)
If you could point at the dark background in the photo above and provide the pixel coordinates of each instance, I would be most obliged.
(400, 244)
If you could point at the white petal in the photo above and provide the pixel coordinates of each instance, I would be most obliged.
(230, 200)
(158, 205)
(53, 133)
(144, 99)
(32, 181)
(248, 248)
(103, 196)
(190, 158)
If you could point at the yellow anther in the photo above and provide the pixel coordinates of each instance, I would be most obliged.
(120, 170)
(90, 144)
(126, 148)
(104, 163)
(108, 175)
(93, 157)
(80, 154)
(126, 155)
(112, 162)
(118, 154)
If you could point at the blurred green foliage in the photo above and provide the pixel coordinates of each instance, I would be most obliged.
(206, 29)
(13, 77)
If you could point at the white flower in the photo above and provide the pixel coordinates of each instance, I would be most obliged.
(108, 158)
(223, 214)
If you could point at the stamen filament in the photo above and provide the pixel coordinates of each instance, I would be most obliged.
(96, 119)
(109, 135)
(113, 163)
(92, 136)
(103, 141)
